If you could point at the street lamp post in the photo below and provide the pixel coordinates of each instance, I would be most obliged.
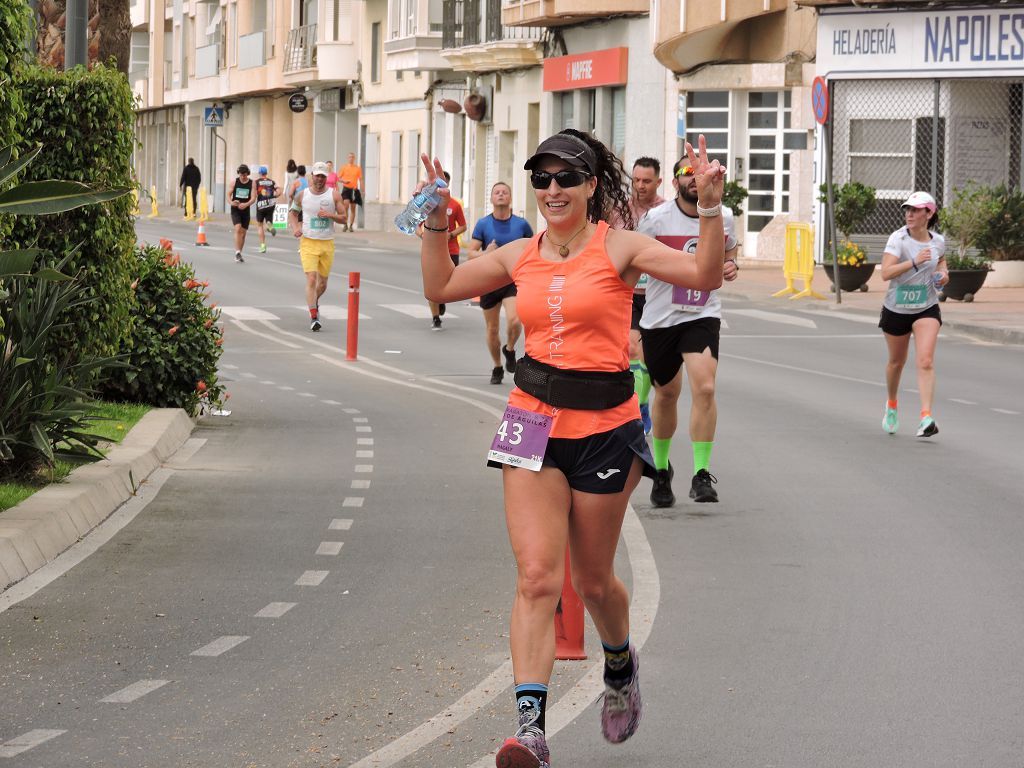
(76, 49)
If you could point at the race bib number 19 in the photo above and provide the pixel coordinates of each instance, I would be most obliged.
(521, 439)
(688, 299)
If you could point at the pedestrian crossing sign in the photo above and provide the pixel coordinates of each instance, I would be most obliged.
(280, 216)
(213, 117)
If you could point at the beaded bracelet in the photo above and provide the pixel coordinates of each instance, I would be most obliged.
(434, 229)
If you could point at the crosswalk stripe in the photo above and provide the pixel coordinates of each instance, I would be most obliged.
(134, 691)
(248, 313)
(27, 740)
(851, 316)
(774, 317)
(419, 311)
(334, 312)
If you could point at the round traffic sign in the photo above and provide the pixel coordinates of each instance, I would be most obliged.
(819, 100)
(298, 102)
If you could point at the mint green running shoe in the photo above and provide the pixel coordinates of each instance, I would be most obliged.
(890, 422)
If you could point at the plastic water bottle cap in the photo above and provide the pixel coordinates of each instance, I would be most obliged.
(441, 183)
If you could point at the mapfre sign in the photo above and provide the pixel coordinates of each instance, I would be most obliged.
(587, 70)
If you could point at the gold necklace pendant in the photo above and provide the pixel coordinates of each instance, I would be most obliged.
(563, 248)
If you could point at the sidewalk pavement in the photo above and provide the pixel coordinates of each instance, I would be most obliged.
(996, 314)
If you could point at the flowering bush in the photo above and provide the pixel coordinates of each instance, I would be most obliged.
(850, 254)
(176, 342)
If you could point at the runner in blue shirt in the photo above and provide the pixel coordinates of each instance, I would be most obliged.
(494, 230)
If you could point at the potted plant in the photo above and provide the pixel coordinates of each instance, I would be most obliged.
(853, 203)
(1002, 240)
(965, 220)
(966, 276)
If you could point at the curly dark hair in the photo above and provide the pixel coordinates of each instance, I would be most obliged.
(611, 196)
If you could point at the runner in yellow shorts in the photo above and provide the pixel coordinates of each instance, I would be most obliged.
(321, 208)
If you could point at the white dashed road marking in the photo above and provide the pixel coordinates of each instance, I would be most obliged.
(774, 317)
(220, 645)
(247, 313)
(1008, 413)
(274, 610)
(134, 691)
(311, 579)
(26, 741)
(364, 429)
(962, 402)
(351, 410)
(419, 311)
(330, 548)
(360, 420)
(360, 484)
(364, 468)
(352, 501)
(364, 441)
(340, 524)
(330, 402)
(364, 454)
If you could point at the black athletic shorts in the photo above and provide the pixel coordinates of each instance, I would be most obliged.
(898, 324)
(265, 214)
(494, 298)
(348, 193)
(639, 299)
(240, 216)
(599, 463)
(664, 347)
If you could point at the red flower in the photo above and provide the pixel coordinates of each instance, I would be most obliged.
(208, 323)
(218, 342)
(201, 386)
(173, 331)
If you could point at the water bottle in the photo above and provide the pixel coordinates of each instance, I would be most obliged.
(937, 282)
(419, 207)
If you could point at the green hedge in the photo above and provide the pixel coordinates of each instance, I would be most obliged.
(13, 34)
(176, 342)
(85, 122)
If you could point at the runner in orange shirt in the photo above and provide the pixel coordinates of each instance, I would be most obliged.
(352, 190)
(571, 444)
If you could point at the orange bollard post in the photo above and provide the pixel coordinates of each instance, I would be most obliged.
(569, 621)
(352, 345)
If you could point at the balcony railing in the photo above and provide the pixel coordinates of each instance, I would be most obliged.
(300, 52)
(472, 22)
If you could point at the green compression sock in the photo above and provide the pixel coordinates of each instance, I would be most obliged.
(643, 391)
(638, 380)
(701, 456)
(661, 448)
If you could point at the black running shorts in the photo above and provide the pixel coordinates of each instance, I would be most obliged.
(664, 347)
(240, 216)
(494, 298)
(265, 214)
(898, 324)
(639, 299)
(598, 463)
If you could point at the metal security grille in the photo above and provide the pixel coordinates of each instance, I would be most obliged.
(900, 136)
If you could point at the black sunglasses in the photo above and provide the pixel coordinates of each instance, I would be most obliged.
(565, 179)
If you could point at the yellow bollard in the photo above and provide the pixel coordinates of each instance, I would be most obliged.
(204, 210)
(799, 261)
(152, 200)
(190, 208)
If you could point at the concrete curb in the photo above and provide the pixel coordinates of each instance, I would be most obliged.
(44, 525)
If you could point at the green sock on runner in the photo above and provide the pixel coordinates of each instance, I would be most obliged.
(660, 449)
(643, 391)
(701, 456)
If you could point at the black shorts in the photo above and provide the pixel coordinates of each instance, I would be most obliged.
(240, 216)
(664, 347)
(352, 194)
(898, 324)
(265, 214)
(639, 299)
(494, 298)
(599, 463)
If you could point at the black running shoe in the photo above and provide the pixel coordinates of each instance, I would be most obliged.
(440, 309)
(314, 324)
(700, 486)
(497, 375)
(510, 359)
(435, 324)
(238, 257)
(661, 490)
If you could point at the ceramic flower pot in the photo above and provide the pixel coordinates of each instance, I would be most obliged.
(963, 284)
(851, 278)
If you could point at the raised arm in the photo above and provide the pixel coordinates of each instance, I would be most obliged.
(443, 282)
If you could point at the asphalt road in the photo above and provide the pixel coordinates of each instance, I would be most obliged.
(326, 579)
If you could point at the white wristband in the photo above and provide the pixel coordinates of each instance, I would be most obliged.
(709, 213)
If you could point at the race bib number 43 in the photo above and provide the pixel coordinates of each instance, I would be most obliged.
(521, 439)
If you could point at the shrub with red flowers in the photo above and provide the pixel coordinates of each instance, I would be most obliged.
(176, 341)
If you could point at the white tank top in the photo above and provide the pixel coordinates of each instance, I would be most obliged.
(315, 226)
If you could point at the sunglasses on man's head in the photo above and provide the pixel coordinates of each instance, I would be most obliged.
(686, 170)
(565, 179)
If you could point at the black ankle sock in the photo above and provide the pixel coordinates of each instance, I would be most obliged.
(532, 695)
(618, 664)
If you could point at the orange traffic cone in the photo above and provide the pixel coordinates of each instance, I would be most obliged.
(201, 235)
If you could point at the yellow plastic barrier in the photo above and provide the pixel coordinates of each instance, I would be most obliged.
(799, 261)
(152, 199)
(204, 207)
(190, 208)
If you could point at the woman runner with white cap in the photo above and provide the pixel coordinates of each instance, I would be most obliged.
(914, 263)
(571, 444)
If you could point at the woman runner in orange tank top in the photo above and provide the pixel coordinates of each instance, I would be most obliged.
(569, 466)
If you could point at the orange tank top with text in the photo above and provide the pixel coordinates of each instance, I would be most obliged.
(575, 316)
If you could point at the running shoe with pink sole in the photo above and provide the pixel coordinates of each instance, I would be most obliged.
(622, 706)
(529, 747)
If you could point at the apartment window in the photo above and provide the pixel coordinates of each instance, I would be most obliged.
(396, 165)
(619, 121)
(565, 110)
(375, 52)
(399, 75)
(259, 16)
(139, 61)
(770, 140)
(707, 112)
(435, 15)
